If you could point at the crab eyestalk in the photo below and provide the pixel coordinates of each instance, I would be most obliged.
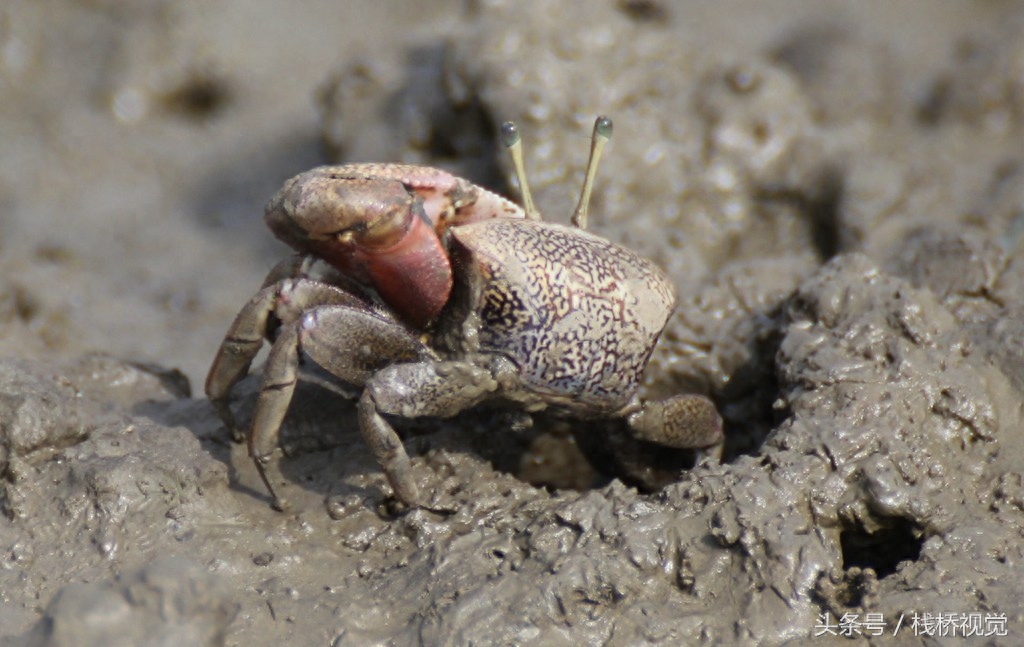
(510, 138)
(602, 133)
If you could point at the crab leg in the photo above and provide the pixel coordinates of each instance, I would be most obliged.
(280, 374)
(245, 338)
(348, 341)
(282, 301)
(241, 344)
(683, 422)
(436, 389)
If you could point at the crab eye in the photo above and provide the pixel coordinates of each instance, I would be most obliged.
(348, 236)
(509, 134)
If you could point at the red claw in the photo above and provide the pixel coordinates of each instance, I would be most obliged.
(381, 225)
(414, 276)
(372, 229)
(410, 270)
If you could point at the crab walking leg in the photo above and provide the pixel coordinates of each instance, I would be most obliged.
(280, 374)
(683, 422)
(436, 389)
(241, 344)
(387, 448)
(284, 301)
(245, 338)
(349, 342)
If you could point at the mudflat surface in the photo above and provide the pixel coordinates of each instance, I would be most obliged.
(836, 189)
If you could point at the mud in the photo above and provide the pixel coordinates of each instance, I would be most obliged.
(836, 189)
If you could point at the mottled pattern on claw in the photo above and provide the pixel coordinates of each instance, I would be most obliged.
(381, 224)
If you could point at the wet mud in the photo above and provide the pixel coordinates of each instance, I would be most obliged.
(836, 190)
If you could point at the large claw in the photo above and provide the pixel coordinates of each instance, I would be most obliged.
(381, 224)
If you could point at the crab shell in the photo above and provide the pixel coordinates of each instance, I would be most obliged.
(577, 314)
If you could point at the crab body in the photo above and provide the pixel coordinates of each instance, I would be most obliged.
(576, 314)
(432, 295)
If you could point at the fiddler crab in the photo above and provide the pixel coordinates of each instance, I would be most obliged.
(433, 295)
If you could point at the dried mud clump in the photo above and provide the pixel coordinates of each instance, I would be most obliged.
(38, 416)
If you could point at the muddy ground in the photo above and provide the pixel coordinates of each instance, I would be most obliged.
(836, 188)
